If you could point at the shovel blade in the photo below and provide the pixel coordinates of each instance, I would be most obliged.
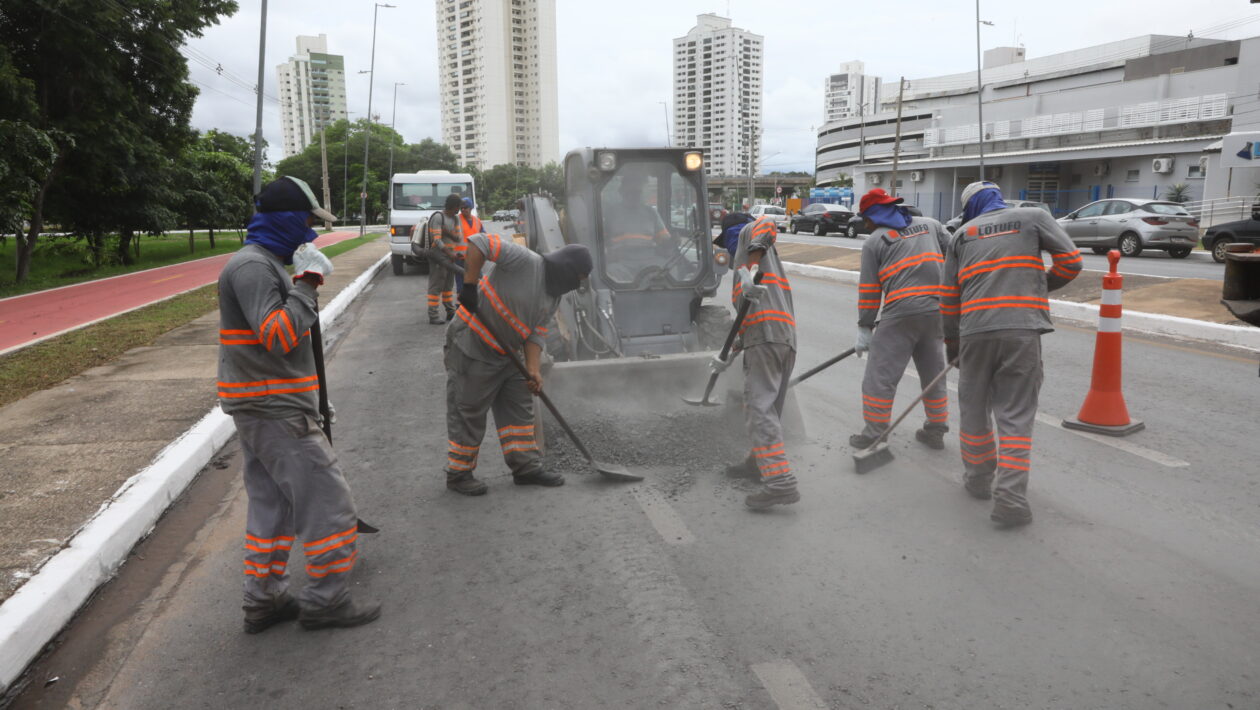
(615, 472)
(872, 458)
(701, 402)
(366, 528)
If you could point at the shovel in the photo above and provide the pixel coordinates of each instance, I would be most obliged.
(744, 306)
(810, 373)
(317, 345)
(879, 454)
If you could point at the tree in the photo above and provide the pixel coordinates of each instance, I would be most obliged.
(1179, 193)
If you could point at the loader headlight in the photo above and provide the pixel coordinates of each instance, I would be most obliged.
(693, 161)
(606, 161)
(721, 257)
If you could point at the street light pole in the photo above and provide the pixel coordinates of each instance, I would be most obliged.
(392, 117)
(665, 108)
(980, 90)
(367, 138)
(262, 53)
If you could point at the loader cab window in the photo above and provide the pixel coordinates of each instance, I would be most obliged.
(651, 229)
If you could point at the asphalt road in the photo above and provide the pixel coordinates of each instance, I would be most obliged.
(1138, 586)
(1198, 265)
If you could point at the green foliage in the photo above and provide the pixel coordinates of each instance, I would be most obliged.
(1179, 193)
(501, 186)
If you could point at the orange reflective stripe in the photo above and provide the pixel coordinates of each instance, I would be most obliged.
(1015, 438)
(332, 546)
(461, 447)
(1022, 302)
(504, 312)
(523, 428)
(479, 329)
(973, 458)
(496, 247)
(262, 383)
(460, 465)
(266, 392)
(334, 536)
(762, 319)
(768, 448)
(912, 291)
(877, 399)
(343, 565)
(224, 341)
(902, 264)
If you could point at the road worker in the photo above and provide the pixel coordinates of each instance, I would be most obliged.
(993, 299)
(901, 268)
(508, 308)
(445, 234)
(469, 225)
(767, 339)
(267, 382)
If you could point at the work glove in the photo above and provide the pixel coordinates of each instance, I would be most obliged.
(951, 350)
(468, 297)
(748, 287)
(717, 365)
(309, 260)
(332, 413)
(863, 342)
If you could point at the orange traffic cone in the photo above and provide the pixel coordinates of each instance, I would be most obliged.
(1104, 411)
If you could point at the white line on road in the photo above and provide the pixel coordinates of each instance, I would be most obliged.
(664, 518)
(787, 686)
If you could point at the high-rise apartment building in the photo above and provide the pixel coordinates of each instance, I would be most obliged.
(497, 70)
(850, 92)
(312, 92)
(717, 94)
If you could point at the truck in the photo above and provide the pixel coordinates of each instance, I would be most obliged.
(413, 198)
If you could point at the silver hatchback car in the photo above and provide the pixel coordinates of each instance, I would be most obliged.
(1132, 225)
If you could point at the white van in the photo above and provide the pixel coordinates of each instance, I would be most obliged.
(413, 198)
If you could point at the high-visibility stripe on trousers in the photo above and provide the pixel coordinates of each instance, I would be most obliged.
(440, 297)
(894, 344)
(767, 370)
(999, 381)
(296, 491)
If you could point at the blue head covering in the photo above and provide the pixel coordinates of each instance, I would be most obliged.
(732, 224)
(468, 202)
(280, 233)
(893, 216)
(986, 199)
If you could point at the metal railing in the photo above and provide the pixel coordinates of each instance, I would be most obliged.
(1221, 209)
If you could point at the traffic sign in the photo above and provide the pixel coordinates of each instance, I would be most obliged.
(778, 190)
(362, 195)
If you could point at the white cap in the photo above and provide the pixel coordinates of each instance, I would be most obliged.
(971, 190)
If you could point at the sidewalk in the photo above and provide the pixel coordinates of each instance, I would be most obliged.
(65, 451)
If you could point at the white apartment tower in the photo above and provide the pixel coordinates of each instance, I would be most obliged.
(850, 92)
(497, 73)
(312, 92)
(717, 94)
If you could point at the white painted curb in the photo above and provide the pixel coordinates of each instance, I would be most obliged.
(40, 608)
(1136, 321)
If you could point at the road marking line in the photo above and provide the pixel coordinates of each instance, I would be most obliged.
(1114, 442)
(663, 517)
(168, 278)
(787, 686)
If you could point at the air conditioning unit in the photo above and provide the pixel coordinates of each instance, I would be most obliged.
(1162, 165)
(1101, 169)
(1203, 165)
(916, 175)
(874, 178)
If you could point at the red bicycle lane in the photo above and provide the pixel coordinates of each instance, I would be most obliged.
(32, 317)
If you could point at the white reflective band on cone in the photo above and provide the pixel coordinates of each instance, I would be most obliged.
(1108, 325)
(1111, 297)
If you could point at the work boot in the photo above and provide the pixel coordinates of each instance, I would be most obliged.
(931, 438)
(466, 484)
(550, 479)
(450, 313)
(260, 618)
(767, 497)
(434, 320)
(342, 616)
(861, 441)
(978, 488)
(743, 469)
(1010, 516)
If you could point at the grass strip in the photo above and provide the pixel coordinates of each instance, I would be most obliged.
(55, 360)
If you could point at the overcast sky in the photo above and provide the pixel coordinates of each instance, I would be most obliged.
(615, 58)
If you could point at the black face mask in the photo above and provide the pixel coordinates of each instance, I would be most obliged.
(564, 269)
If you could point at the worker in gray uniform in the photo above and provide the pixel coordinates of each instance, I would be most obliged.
(995, 309)
(767, 339)
(900, 284)
(268, 384)
(446, 234)
(509, 307)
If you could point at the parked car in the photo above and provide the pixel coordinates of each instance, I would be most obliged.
(778, 214)
(1243, 231)
(499, 216)
(1132, 225)
(820, 218)
(857, 225)
(957, 220)
(716, 213)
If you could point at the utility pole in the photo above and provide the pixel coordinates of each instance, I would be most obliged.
(323, 156)
(752, 191)
(979, 92)
(258, 139)
(367, 138)
(392, 117)
(669, 142)
(901, 87)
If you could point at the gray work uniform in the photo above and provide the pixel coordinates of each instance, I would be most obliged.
(768, 342)
(514, 309)
(637, 238)
(267, 382)
(901, 283)
(444, 233)
(994, 302)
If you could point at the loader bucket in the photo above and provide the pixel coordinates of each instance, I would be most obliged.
(654, 381)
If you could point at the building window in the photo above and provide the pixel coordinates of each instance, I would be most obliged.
(1194, 173)
(1132, 175)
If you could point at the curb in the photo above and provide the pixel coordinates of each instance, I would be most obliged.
(1136, 321)
(40, 608)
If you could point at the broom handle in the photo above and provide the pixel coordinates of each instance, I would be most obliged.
(915, 403)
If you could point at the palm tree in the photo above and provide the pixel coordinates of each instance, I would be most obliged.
(1179, 193)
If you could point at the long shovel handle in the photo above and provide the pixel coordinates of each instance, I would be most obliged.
(814, 371)
(915, 403)
(317, 346)
(745, 305)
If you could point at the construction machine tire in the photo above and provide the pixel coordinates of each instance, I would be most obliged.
(711, 326)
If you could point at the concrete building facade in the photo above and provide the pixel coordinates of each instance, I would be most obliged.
(497, 75)
(1130, 118)
(850, 92)
(717, 94)
(312, 92)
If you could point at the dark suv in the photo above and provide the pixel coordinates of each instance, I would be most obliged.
(857, 225)
(820, 218)
(1244, 230)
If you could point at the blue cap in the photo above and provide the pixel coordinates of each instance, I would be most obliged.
(468, 202)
